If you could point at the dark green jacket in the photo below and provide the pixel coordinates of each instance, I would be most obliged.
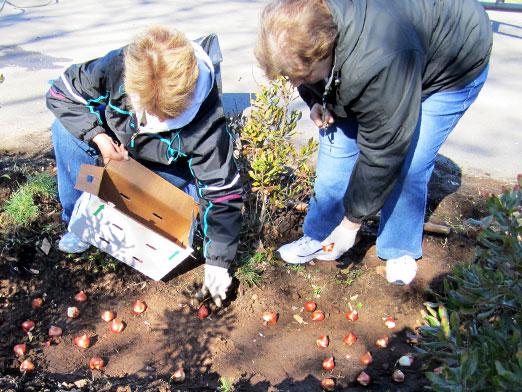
(390, 54)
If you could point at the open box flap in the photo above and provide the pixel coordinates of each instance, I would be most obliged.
(147, 197)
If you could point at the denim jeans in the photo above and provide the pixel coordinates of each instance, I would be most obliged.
(402, 216)
(71, 153)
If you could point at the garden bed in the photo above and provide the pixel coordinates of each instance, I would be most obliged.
(231, 349)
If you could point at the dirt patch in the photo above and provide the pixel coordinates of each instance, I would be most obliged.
(231, 343)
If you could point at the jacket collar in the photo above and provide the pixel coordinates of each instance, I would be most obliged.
(349, 16)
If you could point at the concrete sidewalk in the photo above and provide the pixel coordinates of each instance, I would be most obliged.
(37, 43)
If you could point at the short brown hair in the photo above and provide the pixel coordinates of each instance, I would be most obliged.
(161, 69)
(294, 34)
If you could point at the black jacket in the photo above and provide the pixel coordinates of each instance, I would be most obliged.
(389, 55)
(204, 144)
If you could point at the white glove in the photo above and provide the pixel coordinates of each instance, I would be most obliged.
(341, 239)
(216, 282)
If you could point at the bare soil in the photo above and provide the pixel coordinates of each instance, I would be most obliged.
(232, 342)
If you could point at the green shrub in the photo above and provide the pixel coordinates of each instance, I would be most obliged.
(276, 174)
(474, 333)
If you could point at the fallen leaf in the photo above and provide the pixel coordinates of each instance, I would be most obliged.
(299, 319)
(81, 383)
(45, 246)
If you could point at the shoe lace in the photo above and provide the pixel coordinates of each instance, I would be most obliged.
(305, 242)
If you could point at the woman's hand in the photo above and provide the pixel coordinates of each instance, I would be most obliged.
(109, 149)
(316, 115)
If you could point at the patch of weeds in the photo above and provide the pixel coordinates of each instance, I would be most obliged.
(20, 210)
(100, 262)
(226, 384)
(297, 268)
(346, 278)
(317, 290)
(457, 226)
(248, 273)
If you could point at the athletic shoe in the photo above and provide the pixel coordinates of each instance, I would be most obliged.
(304, 250)
(401, 271)
(71, 243)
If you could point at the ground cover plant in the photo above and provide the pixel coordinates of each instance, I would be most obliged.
(474, 332)
(89, 323)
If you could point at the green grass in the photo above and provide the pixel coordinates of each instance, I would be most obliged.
(20, 210)
(347, 278)
(226, 384)
(97, 261)
(248, 273)
(316, 290)
(297, 268)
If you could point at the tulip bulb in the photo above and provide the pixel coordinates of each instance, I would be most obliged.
(82, 341)
(363, 378)
(80, 297)
(322, 341)
(350, 339)
(178, 375)
(20, 349)
(317, 315)
(270, 318)
(73, 312)
(96, 363)
(328, 384)
(310, 306)
(26, 366)
(366, 358)
(329, 363)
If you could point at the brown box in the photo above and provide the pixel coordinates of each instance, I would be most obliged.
(134, 215)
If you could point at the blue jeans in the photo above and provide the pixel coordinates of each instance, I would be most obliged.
(71, 153)
(402, 216)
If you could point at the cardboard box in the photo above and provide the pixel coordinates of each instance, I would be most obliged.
(134, 215)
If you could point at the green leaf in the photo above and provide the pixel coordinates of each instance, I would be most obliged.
(469, 364)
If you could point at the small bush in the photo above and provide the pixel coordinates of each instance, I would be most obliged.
(277, 175)
(474, 333)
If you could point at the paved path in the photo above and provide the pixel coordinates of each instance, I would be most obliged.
(37, 43)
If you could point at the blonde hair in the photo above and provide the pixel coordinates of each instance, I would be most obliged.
(294, 35)
(161, 69)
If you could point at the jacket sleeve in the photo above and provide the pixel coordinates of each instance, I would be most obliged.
(311, 94)
(388, 112)
(220, 191)
(73, 96)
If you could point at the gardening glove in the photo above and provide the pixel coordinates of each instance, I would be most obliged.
(216, 282)
(341, 239)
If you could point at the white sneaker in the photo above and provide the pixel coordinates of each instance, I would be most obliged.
(401, 271)
(304, 250)
(71, 243)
